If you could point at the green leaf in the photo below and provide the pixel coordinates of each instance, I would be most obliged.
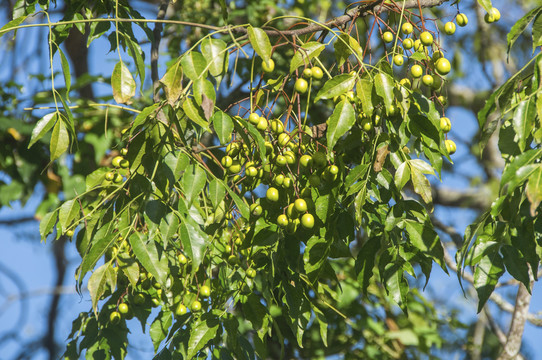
(523, 121)
(534, 189)
(345, 45)
(43, 125)
(516, 265)
(203, 330)
(396, 284)
(537, 32)
(194, 65)
(486, 4)
(195, 113)
(194, 242)
(260, 42)
(129, 267)
(123, 83)
(520, 26)
(10, 25)
(65, 71)
(137, 54)
(424, 238)
(97, 283)
(169, 225)
(172, 82)
(364, 91)
(336, 86)
(142, 117)
(384, 85)
(160, 327)
(513, 175)
(177, 163)
(60, 139)
(422, 166)
(217, 192)
(402, 175)
(365, 262)
(47, 224)
(341, 121)
(193, 181)
(305, 53)
(422, 186)
(216, 53)
(153, 259)
(68, 212)
(486, 275)
(223, 125)
(102, 240)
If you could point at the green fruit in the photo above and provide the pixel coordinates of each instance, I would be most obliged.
(251, 171)
(118, 178)
(268, 66)
(427, 80)
(280, 160)
(251, 273)
(205, 291)
(305, 161)
(301, 85)
(257, 210)
(317, 73)
(405, 83)
(495, 13)
(235, 167)
(123, 308)
(445, 124)
(283, 139)
(314, 180)
(226, 161)
(253, 119)
(109, 176)
(277, 127)
(307, 221)
(116, 161)
(69, 233)
(233, 260)
(114, 317)
(462, 20)
(262, 124)
(333, 170)
(426, 38)
(272, 194)
(437, 55)
(300, 205)
(307, 73)
(443, 66)
(416, 71)
(387, 37)
(282, 220)
(367, 124)
(182, 259)
(408, 43)
(407, 28)
(449, 28)
(278, 180)
(196, 306)
(180, 310)
(287, 183)
(398, 60)
(442, 100)
(418, 46)
(450, 146)
(319, 159)
(124, 151)
(139, 299)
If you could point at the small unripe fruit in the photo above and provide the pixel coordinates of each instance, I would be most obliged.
(333, 170)
(268, 66)
(317, 73)
(445, 124)
(450, 146)
(418, 46)
(408, 43)
(182, 259)
(307, 73)
(407, 28)
(387, 37)
(205, 291)
(226, 161)
(319, 159)
(109, 176)
(272, 194)
(254, 118)
(398, 60)
(139, 299)
(123, 308)
(262, 124)
(116, 161)
(307, 221)
(462, 20)
(124, 151)
(114, 317)
(196, 306)
(300, 205)
(443, 66)
(405, 83)
(282, 220)
(283, 139)
(449, 28)
(251, 273)
(427, 80)
(301, 85)
(118, 178)
(305, 161)
(416, 71)
(180, 310)
(426, 38)
(314, 180)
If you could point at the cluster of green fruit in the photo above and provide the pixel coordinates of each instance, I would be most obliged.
(121, 166)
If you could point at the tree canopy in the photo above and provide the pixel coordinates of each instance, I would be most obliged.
(256, 180)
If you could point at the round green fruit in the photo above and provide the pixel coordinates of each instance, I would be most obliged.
(307, 73)
(123, 308)
(109, 176)
(139, 299)
(182, 259)
(408, 43)
(272, 194)
(418, 46)
(282, 220)
(443, 66)
(283, 139)
(251, 273)
(367, 124)
(333, 170)
(116, 161)
(449, 28)
(445, 124)
(443, 101)
(427, 80)
(253, 119)
(124, 151)
(69, 233)
(180, 310)
(319, 159)
(416, 71)
(205, 291)
(301, 85)
(233, 260)
(387, 37)
(262, 124)
(196, 306)
(462, 20)
(426, 38)
(226, 161)
(405, 83)
(317, 73)
(307, 221)
(118, 178)
(114, 317)
(300, 205)
(407, 28)
(280, 160)
(314, 180)
(268, 66)
(450, 146)
(305, 161)
(398, 60)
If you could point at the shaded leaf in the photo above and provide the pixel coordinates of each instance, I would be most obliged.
(194, 242)
(534, 189)
(152, 259)
(223, 125)
(402, 175)
(60, 139)
(342, 120)
(364, 91)
(172, 82)
(215, 51)
(160, 327)
(195, 113)
(346, 45)
(203, 330)
(486, 275)
(193, 182)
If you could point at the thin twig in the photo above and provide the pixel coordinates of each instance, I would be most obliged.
(155, 47)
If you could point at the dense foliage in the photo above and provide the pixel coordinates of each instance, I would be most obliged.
(270, 194)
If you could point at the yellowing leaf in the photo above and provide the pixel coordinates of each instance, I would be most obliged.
(123, 83)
